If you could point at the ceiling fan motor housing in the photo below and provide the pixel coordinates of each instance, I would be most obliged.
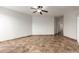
(40, 6)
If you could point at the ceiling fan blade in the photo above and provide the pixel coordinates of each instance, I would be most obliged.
(45, 11)
(41, 13)
(34, 11)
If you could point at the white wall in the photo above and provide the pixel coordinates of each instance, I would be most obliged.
(78, 28)
(42, 25)
(70, 24)
(14, 24)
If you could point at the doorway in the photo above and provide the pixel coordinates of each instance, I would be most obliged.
(58, 25)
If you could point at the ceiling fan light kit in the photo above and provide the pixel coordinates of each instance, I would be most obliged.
(39, 9)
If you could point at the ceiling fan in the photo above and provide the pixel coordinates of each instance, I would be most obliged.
(39, 9)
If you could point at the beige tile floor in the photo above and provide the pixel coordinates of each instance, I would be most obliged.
(40, 44)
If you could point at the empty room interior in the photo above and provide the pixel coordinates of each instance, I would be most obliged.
(39, 29)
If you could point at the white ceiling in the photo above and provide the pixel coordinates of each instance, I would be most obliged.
(52, 10)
